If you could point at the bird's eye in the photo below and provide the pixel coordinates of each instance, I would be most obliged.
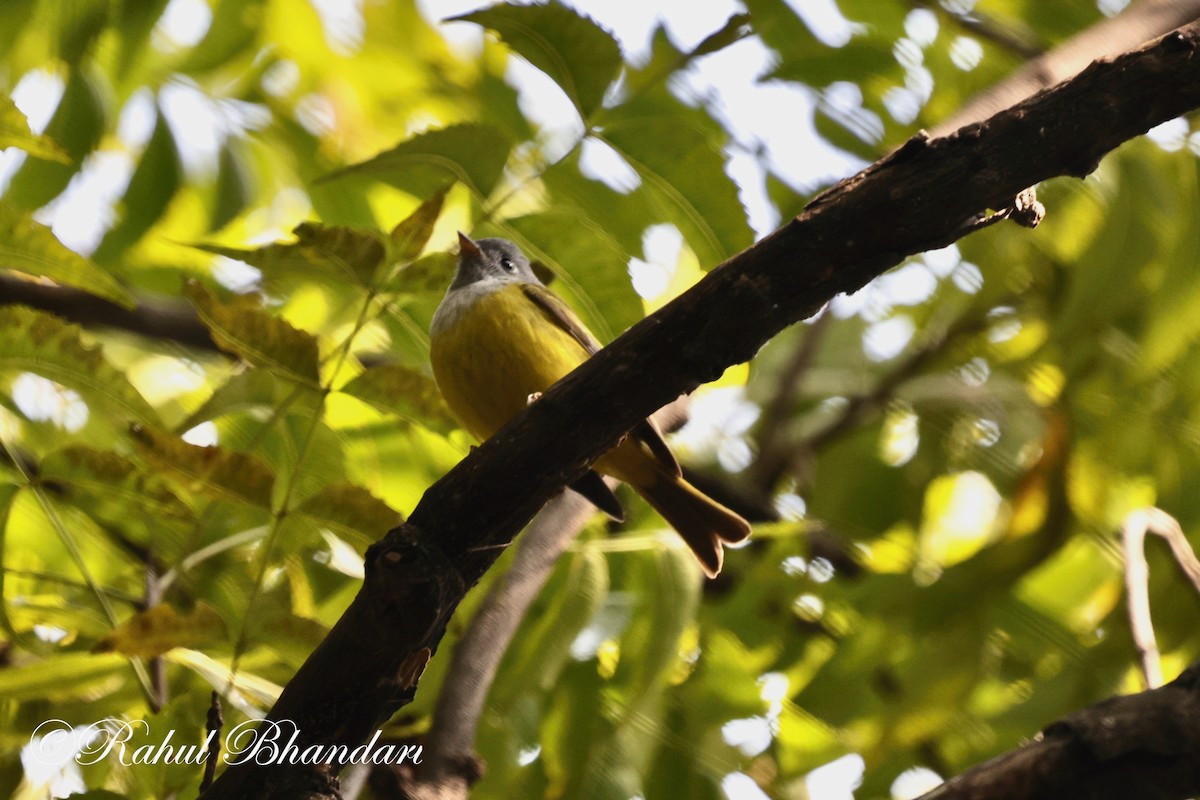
(507, 264)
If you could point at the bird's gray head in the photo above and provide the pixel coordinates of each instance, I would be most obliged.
(498, 259)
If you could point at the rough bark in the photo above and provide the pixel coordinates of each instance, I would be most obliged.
(1144, 746)
(925, 195)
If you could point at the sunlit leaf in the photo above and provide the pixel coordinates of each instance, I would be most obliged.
(135, 22)
(151, 188)
(14, 132)
(235, 25)
(245, 391)
(579, 55)
(76, 127)
(472, 154)
(350, 511)
(319, 252)
(76, 26)
(397, 389)
(116, 490)
(676, 151)
(666, 58)
(411, 235)
(221, 678)
(235, 187)
(31, 341)
(215, 470)
(67, 675)
(31, 247)
(241, 327)
(430, 273)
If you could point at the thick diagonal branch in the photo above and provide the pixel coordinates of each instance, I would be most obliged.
(921, 197)
(1142, 745)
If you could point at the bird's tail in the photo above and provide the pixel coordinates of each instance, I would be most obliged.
(702, 522)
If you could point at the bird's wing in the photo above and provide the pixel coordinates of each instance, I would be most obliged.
(561, 315)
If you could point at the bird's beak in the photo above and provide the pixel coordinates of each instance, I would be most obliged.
(467, 246)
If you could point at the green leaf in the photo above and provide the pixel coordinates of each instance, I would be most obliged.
(548, 647)
(666, 59)
(475, 155)
(235, 187)
(320, 253)
(217, 471)
(805, 58)
(241, 327)
(66, 676)
(235, 26)
(157, 177)
(14, 132)
(135, 21)
(14, 17)
(153, 632)
(654, 633)
(409, 238)
(621, 217)
(590, 261)
(431, 273)
(77, 24)
(31, 247)
(577, 54)
(246, 390)
(397, 389)
(77, 125)
(350, 511)
(676, 150)
(31, 341)
(116, 491)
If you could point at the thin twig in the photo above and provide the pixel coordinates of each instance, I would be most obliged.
(1138, 23)
(214, 724)
(449, 759)
(1137, 579)
(1018, 39)
(774, 455)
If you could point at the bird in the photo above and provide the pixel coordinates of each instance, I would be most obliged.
(500, 337)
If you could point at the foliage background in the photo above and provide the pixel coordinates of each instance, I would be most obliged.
(945, 456)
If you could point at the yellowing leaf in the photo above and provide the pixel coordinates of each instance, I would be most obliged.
(152, 633)
(241, 327)
(219, 472)
(320, 252)
(31, 341)
(412, 234)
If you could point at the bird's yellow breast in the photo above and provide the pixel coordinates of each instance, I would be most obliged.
(491, 347)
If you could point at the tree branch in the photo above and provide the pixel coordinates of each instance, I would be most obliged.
(1137, 579)
(176, 322)
(916, 199)
(449, 766)
(1142, 745)
(1138, 23)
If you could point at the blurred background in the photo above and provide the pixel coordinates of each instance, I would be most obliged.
(225, 224)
